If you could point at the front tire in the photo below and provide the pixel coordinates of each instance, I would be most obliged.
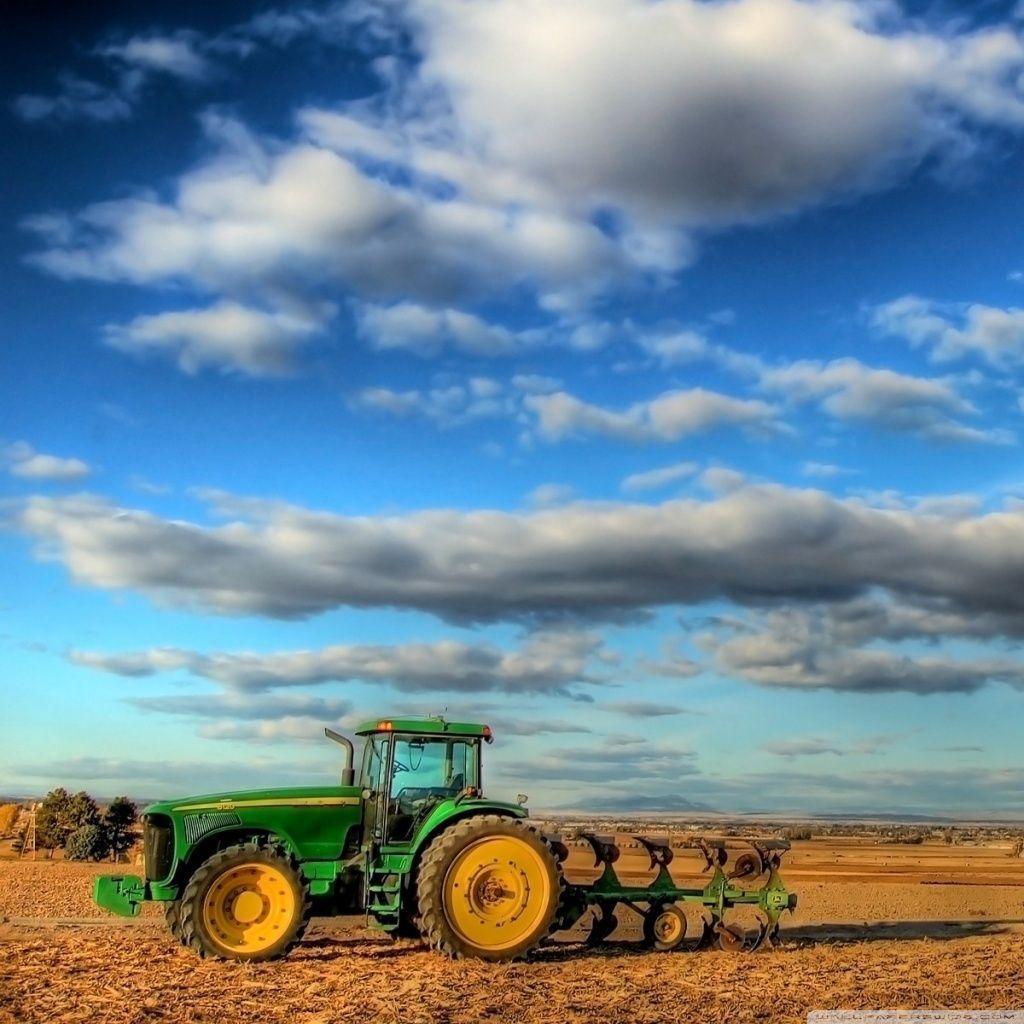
(489, 887)
(246, 902)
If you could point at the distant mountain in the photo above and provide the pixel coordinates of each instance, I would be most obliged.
(640, 804)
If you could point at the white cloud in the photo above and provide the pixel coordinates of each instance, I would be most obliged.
(226, 336)
(178, 55)
(80, 98)
(797, 650)
(680, 347)
(994, 335)
(762, 543)
(668, 417)
(652, 479)
(809, 746)
(446, 404)
(483, 165)
(535, 384)
(821, 470)
(290, 220)
(548, 662)
(849, 390)
(548, 495)
(426, 331)
(739, 110)
(25, 462)
(131, 65)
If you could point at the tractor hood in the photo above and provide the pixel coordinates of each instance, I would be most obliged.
(293, 796)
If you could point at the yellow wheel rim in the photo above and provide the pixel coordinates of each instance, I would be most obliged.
(249, 907)
(669, 927)
(496, 892)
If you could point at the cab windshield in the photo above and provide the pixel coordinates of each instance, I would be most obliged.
(433, 767)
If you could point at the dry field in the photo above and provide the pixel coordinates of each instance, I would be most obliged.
(877, 927)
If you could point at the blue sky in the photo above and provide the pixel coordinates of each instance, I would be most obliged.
(640, 377)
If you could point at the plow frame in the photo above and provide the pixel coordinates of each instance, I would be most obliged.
(717, 896)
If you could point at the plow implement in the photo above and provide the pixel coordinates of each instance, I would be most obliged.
(736, 900)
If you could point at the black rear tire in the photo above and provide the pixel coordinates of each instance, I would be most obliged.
(484, 870)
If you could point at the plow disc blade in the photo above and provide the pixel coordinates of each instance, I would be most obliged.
(741, 937)
(603, 924)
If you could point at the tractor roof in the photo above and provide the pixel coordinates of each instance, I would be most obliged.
(426, 726)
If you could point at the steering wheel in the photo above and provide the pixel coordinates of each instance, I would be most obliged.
(399, 767)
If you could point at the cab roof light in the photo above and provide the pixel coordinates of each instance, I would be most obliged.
(385, 726)
(488, 734)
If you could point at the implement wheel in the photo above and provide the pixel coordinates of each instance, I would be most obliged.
(489, 887)
(664, 928)
(247, 902)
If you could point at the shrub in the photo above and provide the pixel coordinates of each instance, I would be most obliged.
(797, 832)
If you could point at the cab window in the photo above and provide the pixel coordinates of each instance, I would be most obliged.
(373, 760)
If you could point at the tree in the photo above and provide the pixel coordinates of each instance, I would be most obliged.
(51, 819)
(88, 842)
(60, 814)
(83, 810)
(119, 822)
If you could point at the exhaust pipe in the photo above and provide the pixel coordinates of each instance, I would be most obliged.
(348, 773)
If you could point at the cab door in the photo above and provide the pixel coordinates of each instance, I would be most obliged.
(374, 780)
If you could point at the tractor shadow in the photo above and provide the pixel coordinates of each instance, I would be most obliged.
(888, 931)
(330, 944)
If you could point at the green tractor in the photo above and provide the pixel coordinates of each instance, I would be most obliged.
(416, 847)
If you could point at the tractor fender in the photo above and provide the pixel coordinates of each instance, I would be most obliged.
(449, 811)
(228, 836)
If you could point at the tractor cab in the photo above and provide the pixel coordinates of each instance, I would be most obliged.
(410, 766)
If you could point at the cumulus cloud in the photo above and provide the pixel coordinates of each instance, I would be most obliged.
(131, 65)
(668, 417)
(823, 470)
(235, 704)
(652, 479)
(446, 404)
(164, 776)
(426, 332)
(482, 163)
(547, 495)
(178, 54)
(24, 461)
(755, 544)
(288, 220)
(797, 650)
(637, 760)
(849, 390)
(644, 709)
(80, 98)
(682, 346)
(810, 746)
(226, 336)
(749, 108)
(947, 332)
(548, 662)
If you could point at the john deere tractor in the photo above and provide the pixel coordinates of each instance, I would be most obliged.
(416, 847)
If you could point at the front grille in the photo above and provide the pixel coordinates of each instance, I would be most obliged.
(158, 848)
(198, 825)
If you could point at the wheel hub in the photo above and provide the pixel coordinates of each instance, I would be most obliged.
(247, 906)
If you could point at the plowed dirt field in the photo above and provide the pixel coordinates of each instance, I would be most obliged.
(877, 927)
